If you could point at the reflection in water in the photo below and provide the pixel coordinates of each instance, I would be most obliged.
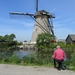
(22, 53)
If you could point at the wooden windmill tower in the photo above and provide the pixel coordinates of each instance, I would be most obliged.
(43, 22)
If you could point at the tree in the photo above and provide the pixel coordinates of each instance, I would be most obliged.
(12, 36)
(9, 37)
(1, 38)
(7, 40)
(45, 40)
(6, 37)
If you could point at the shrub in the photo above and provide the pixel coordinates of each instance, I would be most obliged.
(15, 59)
(28, 59)
(73, 58)
(6, 59)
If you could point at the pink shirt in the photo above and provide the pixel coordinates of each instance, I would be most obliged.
(59, 54)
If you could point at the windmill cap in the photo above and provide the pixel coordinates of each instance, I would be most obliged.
(43, 12)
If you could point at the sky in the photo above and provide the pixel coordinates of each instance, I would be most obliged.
(22, 26)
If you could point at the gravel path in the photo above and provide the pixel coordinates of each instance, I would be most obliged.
(31, 70)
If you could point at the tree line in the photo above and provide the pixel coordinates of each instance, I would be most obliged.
(8, 42)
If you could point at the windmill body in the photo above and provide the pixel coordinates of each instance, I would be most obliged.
(41, 24)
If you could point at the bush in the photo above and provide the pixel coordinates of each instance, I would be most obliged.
(44, 56)
(15, 59)
(28, 59)
(6, 59)
(73, 58)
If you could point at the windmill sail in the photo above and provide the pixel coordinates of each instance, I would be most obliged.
(36, 5)
(42, 23)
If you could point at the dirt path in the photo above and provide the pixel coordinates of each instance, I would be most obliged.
(29, 70)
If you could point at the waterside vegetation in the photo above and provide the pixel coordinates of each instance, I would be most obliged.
(42, 57)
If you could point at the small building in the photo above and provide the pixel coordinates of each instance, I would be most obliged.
(70, 38)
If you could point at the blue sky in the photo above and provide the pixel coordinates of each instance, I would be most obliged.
(22, 26)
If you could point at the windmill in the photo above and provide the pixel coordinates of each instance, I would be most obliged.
(43, 22)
